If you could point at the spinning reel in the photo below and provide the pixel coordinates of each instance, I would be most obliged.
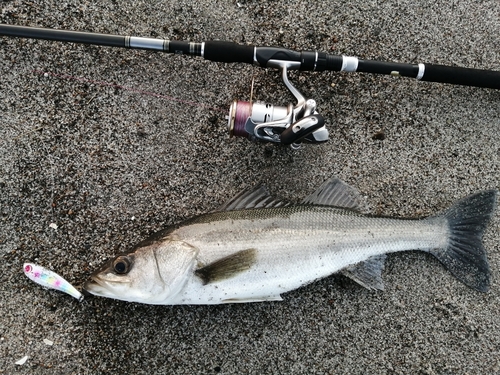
(289, 125)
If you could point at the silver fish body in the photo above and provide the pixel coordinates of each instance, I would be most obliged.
(256, 249)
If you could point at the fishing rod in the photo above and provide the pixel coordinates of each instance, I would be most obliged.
(258, 121)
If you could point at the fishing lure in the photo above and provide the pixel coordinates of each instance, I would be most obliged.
(49, 279)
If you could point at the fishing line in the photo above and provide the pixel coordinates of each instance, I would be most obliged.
(125, 88)
(115, 86)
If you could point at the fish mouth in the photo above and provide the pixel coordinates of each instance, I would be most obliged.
(94, 286)
(99, 287)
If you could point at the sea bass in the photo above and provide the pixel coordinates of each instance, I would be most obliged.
(256, 248)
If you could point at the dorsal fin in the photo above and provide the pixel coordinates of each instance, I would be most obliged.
(256, 197)
(367, 273)
(337, 193)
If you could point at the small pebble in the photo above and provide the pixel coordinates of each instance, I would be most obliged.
(22, 361)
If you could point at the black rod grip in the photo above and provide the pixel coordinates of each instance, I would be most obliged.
(333, 62)
(228, 52)
(462, 76)
(63, 35)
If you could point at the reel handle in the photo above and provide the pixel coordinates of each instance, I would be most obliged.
(302, 129)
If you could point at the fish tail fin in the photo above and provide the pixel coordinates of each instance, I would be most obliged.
(465, 256)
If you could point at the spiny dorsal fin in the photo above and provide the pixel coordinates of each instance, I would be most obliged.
(257, 197)
(367, 273)
(337, 193)
(227, 267)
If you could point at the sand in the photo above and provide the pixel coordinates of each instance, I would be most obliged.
(112, 145)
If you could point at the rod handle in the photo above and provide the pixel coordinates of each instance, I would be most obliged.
(228, 52)
(462, 76)
(424, 72)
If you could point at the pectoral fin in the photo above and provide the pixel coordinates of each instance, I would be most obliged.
(227, 267)
(367, 273)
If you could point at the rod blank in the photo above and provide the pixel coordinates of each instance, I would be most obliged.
(267, 56)
(62, 35)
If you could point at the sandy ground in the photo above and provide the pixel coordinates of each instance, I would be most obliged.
(112, 145)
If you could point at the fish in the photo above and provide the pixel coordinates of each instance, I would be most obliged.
(50, 279)
(256, 248)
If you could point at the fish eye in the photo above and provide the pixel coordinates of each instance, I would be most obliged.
(121, 265)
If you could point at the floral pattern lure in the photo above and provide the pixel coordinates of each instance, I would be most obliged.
(49, 279)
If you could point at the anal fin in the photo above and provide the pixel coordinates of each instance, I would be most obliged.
(368, 273)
